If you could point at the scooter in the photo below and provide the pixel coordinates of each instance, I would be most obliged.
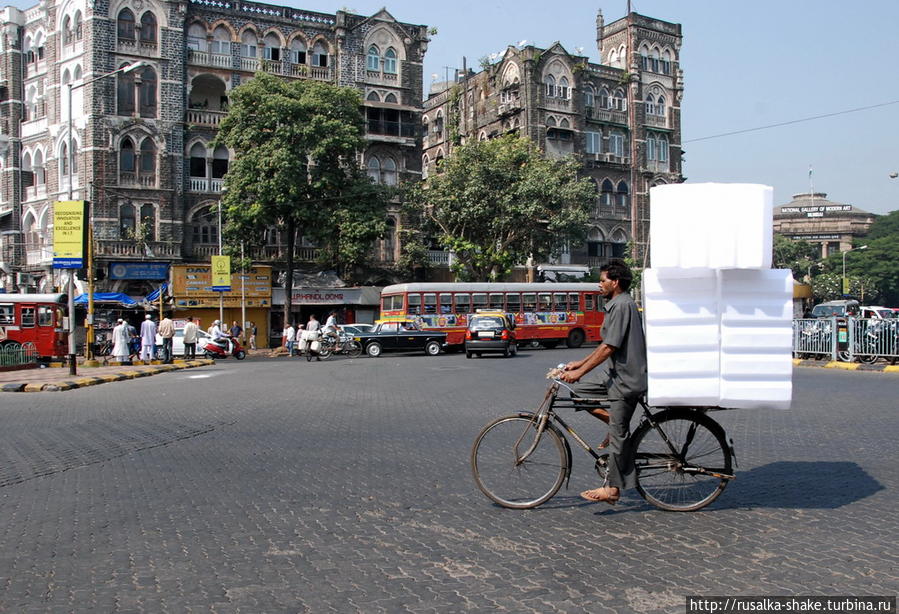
(214, 350)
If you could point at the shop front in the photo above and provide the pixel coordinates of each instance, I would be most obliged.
(250, 294)
(358, 304)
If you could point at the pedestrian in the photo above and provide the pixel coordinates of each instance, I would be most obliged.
(252, 336)
(301, 344)
(167, 332)
(236, 331)
(133, 342)
(147, 339)
(191, 331)
(120, 340)
(313, 333)
(289, 338)
(624, 346)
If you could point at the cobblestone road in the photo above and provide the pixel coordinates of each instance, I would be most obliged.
(286, 486)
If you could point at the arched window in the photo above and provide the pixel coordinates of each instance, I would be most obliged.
(650, 104)
(373, 97)
(319, 55)
(248, 44)
(594, 243)
(618, 101)
(662, 148)
(66, 77)
(550, 84)
(27, 170)
(391, 98)
(666, 62)
(148, 159)
(77, 26)
(605, 195)
(74, 157)
(205, 227)
(660, 106)
(77, 75)
(148, 28)
(196, 37)
(604, 98)
(127, 221)
(219, 162)
(389, 241)
(644, 58)
(388, 172)
(148, 92)
(297, 51)
(198, 160)
(654, 60)
(67, 34)
(390, 61)
(618, 244)
(588, 96)
(272, 50)
(148, 221)
(373, 59)
(563, 88)
(221, 41)
(622, 196)
(125, 93)
(39, 177)
(373, 168)
(63, 160)
(616, 143)
(126, 156)
(125, 25)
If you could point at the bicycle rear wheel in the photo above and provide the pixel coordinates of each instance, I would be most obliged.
(353, 348)
(506, 480)
(690, 478)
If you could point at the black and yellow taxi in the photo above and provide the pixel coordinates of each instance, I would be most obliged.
(490, 332)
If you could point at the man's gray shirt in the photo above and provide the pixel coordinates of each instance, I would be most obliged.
(622, 328)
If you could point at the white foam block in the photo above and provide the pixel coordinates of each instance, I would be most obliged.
(711, 225)
(756, 338)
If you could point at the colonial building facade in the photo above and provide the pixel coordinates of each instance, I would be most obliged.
(830, 225)
(621, 116)
(142, 139)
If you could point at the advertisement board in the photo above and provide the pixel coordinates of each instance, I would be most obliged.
(69, 234)
(221, 273)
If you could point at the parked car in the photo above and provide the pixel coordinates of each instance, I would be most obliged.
(490, 333)
(840, 309)
(875, 312)
(401, 336)
(356, 329)
(178, 342)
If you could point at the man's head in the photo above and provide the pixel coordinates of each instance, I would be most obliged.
(614, 278)
(215, 322)
(148, 317)
(190, 318)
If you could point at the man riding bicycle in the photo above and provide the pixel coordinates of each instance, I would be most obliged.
(624, 346)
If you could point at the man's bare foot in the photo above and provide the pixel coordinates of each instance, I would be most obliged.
(606, 494)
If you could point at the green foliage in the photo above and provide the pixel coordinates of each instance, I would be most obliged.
(799, 256)
(829, 287)
(295, 146)
(493, 203)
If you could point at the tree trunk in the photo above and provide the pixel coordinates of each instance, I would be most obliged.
(288, 284)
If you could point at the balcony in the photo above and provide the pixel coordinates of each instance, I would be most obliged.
(202, 184)
(656, 121)
(607, 115)
(36, 192)
(132, 249)
(203, 58)
(321, 73)
(278, 253)
(200, 117)
(275, 67)
(38, 254)
(203, 252)
(133, 180)
(441, 258)
(388, 128)
(249, 64)
(557, 103)
(658, 166)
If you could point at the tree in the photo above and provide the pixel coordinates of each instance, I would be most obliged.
(495, 203)
(799, 256)
(295, 148)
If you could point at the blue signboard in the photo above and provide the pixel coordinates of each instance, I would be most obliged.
(138, 270)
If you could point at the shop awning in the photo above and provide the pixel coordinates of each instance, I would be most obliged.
(106, 297)
(154, 295)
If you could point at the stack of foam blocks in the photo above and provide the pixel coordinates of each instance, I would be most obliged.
(718, 317)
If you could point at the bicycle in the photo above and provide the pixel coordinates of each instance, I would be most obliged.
(682, 456)
(329, 345)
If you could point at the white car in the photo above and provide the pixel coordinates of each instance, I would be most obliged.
(178, 342)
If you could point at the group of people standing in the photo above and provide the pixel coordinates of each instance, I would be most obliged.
(127, 342)
(299, 339)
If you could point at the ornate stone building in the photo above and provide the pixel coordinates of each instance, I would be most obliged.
(621, 116)
(143, 139)
(831, 225)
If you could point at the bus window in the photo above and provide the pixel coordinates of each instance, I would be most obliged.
(430, 303)
(478, 301)
(7, 315)
(392, 303)
(446, 303)
(414, 308)
(574, 301)
(529, 302)
(463, 303)
(560, 302)
(27, 317)
(544, 301)
(496, 301)
(588, 302)
(513, 302)
(45, 316)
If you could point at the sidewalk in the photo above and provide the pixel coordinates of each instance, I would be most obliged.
(56, 378)
(880, 367)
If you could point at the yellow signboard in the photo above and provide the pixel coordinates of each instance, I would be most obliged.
(195, 281)
(69, 234)
(845, 286)
(221, 273)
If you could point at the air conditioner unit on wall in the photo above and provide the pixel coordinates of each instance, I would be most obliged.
(24, 279)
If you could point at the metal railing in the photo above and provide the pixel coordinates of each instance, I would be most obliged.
(13, 354)
(846, 339)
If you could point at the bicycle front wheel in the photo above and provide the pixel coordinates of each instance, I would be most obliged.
(693, 474)
(507, 479)
(353, 349)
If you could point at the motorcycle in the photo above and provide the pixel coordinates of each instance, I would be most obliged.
(234, 348)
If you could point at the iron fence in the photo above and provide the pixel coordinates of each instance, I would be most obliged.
(13, 354)
(846, 339)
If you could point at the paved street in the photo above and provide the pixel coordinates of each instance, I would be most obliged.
(277, 485)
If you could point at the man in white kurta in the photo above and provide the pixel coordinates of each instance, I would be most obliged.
(147, 339)
(120, 338)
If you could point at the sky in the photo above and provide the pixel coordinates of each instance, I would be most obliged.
(746, 64)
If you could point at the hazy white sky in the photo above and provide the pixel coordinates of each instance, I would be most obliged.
(746, 64)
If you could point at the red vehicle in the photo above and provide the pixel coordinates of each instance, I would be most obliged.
(544, 312)
(36, 319)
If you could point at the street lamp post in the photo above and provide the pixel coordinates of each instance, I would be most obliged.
(90, 232)
(845, 280)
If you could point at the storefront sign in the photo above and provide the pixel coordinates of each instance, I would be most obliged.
(221, 273)
(69, 234)
(817, 211)
(138, 270)
(194, 281)
(329, 296)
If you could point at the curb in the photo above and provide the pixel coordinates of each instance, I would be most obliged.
(106, 378)
(846, 366)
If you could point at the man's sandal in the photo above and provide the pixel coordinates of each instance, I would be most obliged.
(601, 495)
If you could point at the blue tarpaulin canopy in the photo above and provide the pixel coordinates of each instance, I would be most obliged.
(154, 295)
(106, 297)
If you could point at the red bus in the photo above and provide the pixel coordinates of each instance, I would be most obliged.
(36, 319)
(548, 313)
